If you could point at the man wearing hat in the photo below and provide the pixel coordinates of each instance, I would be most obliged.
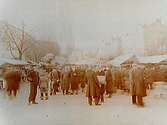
(138, 87)
(33, 78)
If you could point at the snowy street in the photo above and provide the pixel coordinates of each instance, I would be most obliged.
(74, 110)
(106, 61)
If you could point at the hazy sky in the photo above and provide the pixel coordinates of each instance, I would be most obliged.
(85, 23)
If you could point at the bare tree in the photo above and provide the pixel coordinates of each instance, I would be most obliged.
(17, 40)
(40, 49)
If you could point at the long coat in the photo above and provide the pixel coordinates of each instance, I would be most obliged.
(33, 78)
(78, 71)
(13, 79)
(82, 79)
(74, 80)
(65, 80)
(109, 82)
(138, 87)
(93, 87)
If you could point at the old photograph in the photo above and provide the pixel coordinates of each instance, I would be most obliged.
(83, 62)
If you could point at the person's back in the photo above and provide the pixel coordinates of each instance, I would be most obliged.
(137, 75)
(139, 82)
(138, 86)
(93, 88)
(13, 78)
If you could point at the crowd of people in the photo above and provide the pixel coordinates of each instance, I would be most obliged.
(69, 80)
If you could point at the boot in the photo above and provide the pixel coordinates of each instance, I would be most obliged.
(41, 98)
(109, 96)
(46, 94)
(90, 100)
(34, 102)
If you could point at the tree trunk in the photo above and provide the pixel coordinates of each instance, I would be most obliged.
(20, 55)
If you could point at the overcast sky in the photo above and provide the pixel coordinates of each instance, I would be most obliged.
(84, 23)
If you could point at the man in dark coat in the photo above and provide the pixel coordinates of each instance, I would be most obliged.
(74, 80)
(109, 83)
(13, 78)
(102, 83)
(33, 78)
(138, 88)
(65, 81)
(93, 87)
(82, 80)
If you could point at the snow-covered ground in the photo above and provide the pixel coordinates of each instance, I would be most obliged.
(74, 110)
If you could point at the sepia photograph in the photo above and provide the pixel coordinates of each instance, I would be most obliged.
(83, 62)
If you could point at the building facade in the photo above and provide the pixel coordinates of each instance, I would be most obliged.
(155, 37)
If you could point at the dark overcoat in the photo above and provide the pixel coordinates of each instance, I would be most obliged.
(13, 79)
(93, 87)
(65, 80)
(138, 86)
(109, 82)
(74, 80)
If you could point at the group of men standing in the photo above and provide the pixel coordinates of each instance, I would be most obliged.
(69, 80)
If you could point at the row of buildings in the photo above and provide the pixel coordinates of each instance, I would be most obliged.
(155, 38)
(153, 41)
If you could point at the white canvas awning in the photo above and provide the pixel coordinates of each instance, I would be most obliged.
(120, 59)
(152, 59)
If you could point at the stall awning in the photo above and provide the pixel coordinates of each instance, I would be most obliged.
(152, 59)
(121, 59)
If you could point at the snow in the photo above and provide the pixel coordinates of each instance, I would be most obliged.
(11, 61)
(74, 110)
(2, 62)
(145, 59)
(120, 59)
(152, 59)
